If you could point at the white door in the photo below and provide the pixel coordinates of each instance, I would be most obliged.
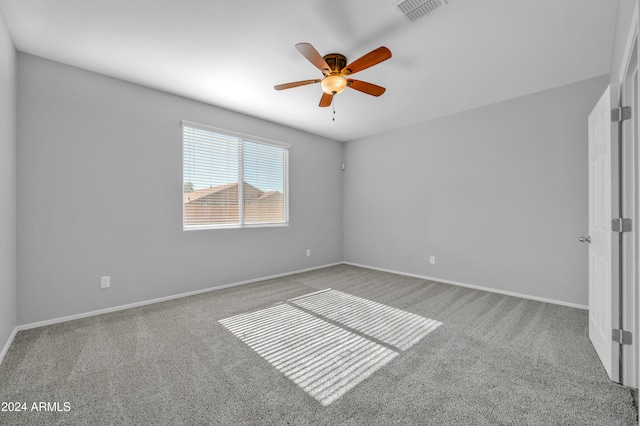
(601, 269)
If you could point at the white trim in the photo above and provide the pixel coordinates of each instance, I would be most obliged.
(475, 287)
(241, 199)
(235, 226)
(162, 299)
(8, 344)
(628, 351)
(254, 280)
(244, 136)
(286, 187)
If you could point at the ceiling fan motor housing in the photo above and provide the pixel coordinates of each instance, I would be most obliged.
(336, 62)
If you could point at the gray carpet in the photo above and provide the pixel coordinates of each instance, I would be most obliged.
(494, 360)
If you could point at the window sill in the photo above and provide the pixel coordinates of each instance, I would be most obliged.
(245, 226)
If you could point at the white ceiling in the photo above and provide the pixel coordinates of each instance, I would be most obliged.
(466, 54)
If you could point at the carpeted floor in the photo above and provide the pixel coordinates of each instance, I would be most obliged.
(377, 348)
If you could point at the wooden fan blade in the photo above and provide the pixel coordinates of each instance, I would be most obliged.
(295, 84)
(370, 59)
(325, 100)
(364, 87)
(312, 55)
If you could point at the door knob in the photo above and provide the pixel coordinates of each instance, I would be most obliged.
(585, 239)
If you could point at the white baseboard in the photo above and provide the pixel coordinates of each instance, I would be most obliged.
(5, 349)
(475, 287)
(192, 293)
(160, 299)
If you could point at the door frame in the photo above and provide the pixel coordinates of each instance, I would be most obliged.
(627, 315)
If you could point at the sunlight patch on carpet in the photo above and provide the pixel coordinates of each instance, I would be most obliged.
(323, 359)
(316, 340)
(393, 326)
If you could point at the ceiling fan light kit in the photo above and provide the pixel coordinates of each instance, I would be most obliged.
(335, 69)
(333, 84)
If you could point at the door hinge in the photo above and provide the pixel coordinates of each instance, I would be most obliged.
(620, 114)
(621, 225)
(621, 336)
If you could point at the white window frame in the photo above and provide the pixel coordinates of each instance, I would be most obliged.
(243, 137)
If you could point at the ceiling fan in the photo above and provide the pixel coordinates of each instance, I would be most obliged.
(335, 70)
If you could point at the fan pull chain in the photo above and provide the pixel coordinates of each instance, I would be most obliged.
(334, 108)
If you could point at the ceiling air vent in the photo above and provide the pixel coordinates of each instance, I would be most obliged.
(415, 9)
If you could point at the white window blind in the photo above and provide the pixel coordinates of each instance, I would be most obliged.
(229, 181)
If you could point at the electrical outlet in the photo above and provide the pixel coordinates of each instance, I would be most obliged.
(308, 252)
(105, 282)
(432, 260)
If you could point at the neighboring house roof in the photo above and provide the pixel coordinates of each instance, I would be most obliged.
(189, 197)
(269, 194)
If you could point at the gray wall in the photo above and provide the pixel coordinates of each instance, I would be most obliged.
(498, 194)
(8, 315)
(100, 193)
(624, 20)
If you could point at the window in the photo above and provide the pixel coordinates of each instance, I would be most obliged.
(233, 180)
